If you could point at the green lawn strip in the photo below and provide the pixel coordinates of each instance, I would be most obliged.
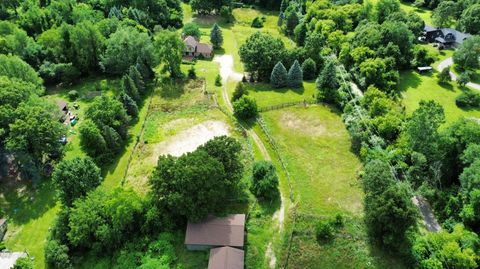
(416, 87)
(424, 13)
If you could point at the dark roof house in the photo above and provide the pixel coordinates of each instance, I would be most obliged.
(216, 232)
(194, 48)
(444, 36)
(226, 258)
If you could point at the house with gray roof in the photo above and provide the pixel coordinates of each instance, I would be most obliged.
(226, 258)
(448, 37)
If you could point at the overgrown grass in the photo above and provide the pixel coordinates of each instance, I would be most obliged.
(266, 95)
(316, 148)
(416, 87)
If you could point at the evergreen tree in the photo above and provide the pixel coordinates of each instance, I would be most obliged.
(240, 90)
(295, 75)
(216, 36)
(327, 84)
(192, 74)
(444, 76)
(129, 104)
(128, 86)
(309, 68)
(278, 78)
(137, 79)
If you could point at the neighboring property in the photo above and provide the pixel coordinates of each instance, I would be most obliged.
(216, 232)
(226, 258)
(8, 259)
(3, 228)
(446, 37)
(193, 48)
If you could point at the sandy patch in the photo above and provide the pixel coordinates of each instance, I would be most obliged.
(226, 68)
(190, 139)
(271, 256)
(312, 127)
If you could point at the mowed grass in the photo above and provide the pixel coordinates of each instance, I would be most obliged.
(316, 148)
(266, 95)
(424, 13)
(416, 87)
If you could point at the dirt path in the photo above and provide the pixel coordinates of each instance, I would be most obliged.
(449, 62)
(426, 211)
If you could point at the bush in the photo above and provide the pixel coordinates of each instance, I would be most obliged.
(324, 230)
(444, 76)
(240, 90)
(265, 180)
(23, 263)
(72, 95)
(464, 78)
(192, 74)
(257, 22)
(468, 99)
(218, 81)
(56, 255)
(245, 108)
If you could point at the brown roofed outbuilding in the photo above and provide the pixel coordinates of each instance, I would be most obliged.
(226, 258)
(216, 232)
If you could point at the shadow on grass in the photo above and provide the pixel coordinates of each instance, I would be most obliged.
(410, 80)
(22, 201)
(265, 87)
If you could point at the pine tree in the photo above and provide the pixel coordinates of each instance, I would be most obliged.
(240, 90)
(129, 88)
(216, 36)
(295, 75)
(309, 68)
(129, 105)
(137, 79)
(278, 78)
(328, 84)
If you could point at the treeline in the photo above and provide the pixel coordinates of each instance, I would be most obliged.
(63, 39)
(103, 222)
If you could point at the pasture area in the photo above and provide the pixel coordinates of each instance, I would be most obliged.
(416, 87)
(315, 145)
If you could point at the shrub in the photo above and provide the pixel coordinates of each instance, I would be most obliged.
(468, 99)
(72, 95)
(257, 23)
(192, 74)
(324, 230)
(240, 90)
(245, 108)
(23, 263)
(444, 76)
(56, 255)
(309, 68)
(463, 78)
(265, 180)
(218, 80)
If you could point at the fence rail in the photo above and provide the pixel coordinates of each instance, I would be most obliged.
(287, 104)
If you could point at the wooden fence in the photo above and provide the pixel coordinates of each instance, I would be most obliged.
(284, 105)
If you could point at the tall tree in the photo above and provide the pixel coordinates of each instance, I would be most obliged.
(191, 29)
(309, 69)
(169, 50)
(260, 53)
(466, 56)
(13, 67)
(444, 14)
(73, 178)
(216, 36)
(295, 75)
(470, 19)
(279, 76)
(129, 87)
(327, 83)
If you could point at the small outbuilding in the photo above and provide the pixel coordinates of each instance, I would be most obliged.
(216, 232)
(226, 258)
(424, 69)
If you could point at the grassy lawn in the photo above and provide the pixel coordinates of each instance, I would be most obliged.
(416, 87)
(265, 95)
(316, 148)
(424, 13)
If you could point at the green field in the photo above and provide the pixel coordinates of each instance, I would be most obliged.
(416, 87)
(316, 148)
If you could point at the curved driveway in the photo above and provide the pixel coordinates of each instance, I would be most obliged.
(449, 62)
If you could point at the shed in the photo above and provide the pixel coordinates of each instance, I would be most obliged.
(216, 232)
(63, 106)
(226, 258)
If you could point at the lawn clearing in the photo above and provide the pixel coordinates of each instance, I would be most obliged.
(416, 87)
(266, 95)
(316, 147)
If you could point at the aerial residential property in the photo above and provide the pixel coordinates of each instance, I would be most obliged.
(246, 134)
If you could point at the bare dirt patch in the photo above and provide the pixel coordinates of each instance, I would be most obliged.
(310, 127)
(188, 140)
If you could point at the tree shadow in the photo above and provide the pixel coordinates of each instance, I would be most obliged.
(23, 201)
(265, 87)
(446, 86)
(410, 80)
